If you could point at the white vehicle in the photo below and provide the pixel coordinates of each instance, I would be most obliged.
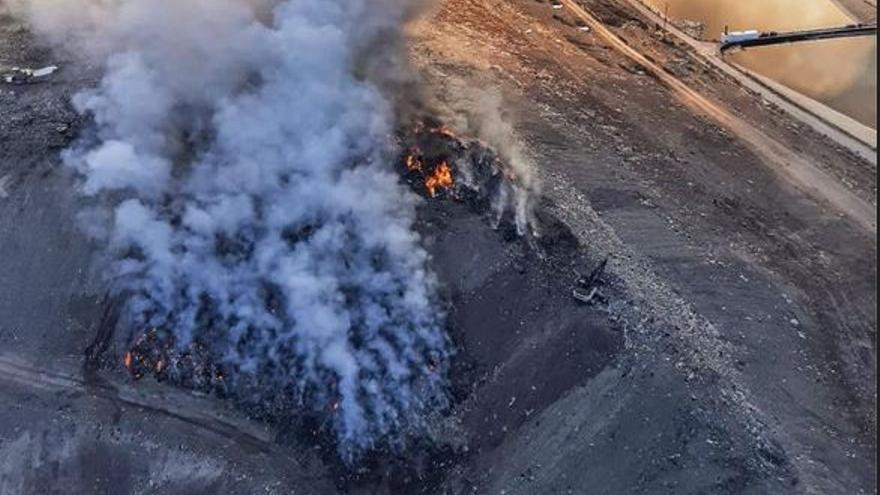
(737, 36)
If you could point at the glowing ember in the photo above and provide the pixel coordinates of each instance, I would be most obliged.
(413, 163)
(442, 177)
(444, 131)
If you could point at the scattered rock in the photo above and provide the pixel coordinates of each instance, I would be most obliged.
(5, 182)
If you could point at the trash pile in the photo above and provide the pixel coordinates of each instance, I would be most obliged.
(439, 164)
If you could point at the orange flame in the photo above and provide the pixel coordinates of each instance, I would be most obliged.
(444, 131)
(127, 360)
(413, 164)
(442, 177)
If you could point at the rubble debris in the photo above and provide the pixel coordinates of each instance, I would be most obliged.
(94, 353)
(153, 353)
(588, 290)
(434, 174)
(45, 71)
(678, 67)
(694, 29)
(633, 68)
(595, 276)
(585, 298)
(19, 75)
(439, 164)
(5, 181)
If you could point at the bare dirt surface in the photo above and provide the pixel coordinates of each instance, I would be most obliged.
(861, 10)
(732, 350)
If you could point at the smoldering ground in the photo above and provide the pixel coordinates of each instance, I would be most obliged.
(240, 180)
(238, 177)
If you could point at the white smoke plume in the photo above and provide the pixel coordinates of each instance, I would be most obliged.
(242, 187)
(480, 112)
(491, 125)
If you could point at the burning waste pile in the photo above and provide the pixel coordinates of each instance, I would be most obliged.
(251, 220)
(440, 164)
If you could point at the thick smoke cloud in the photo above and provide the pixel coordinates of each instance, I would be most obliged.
(240, 181)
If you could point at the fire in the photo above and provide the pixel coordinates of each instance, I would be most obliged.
(435, 173)
(444, 131)
(127, 360)
(442, 177)
(413, 164)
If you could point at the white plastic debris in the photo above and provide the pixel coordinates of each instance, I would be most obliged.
(19, 75)
(5, 183)
(45, 71)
